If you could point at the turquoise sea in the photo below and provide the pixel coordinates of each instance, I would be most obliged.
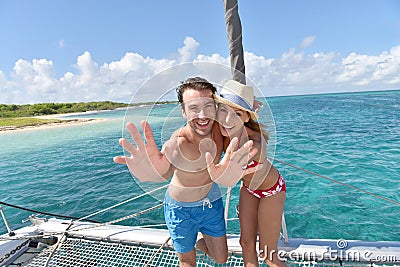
(353, 138)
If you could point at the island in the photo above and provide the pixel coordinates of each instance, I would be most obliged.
(17, 117)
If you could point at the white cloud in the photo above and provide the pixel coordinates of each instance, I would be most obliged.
(31, 82)
(308, 41)
(367, 70)
(148, 78)
(5, 97)
(299, 73)
(61, 43)
(188, 51)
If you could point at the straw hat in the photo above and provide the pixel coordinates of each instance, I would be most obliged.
(239, 96)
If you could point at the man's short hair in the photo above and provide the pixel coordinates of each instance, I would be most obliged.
(195, 83)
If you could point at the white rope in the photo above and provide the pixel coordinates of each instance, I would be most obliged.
(227, 205)
(119, 220)
(123, 202)
(158, 251)
(55, 247)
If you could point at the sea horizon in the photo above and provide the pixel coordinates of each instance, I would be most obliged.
(372, 91)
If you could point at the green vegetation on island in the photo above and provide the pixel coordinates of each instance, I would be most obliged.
(13, 111)
(16, 116)
(25, 121)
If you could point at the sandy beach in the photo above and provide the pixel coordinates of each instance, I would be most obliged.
(62, 123)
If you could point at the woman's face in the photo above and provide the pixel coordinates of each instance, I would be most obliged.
(231, 120)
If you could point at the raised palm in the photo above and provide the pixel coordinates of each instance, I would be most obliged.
(231, 168)
(145, 162)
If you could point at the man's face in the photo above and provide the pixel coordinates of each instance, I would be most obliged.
(199, 110)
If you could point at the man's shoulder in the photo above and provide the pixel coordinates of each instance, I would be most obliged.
(180, 139)
(181, 134)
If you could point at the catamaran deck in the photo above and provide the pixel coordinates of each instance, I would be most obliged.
(90, 244)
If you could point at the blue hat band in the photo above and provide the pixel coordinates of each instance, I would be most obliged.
(237, 100)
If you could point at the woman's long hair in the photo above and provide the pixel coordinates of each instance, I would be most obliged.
(258, 127)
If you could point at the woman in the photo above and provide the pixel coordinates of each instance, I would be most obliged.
(263, 193)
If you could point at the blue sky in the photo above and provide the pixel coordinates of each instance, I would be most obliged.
(61, 51)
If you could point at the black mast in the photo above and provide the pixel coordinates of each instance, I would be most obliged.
(234, 32)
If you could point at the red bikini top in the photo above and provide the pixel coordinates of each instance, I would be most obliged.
(252, 164)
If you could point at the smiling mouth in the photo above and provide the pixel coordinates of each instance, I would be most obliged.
(227, 127)
(203, 123)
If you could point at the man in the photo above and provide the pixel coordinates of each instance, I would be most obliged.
(193, 201)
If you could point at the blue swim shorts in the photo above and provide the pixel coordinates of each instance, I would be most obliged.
(186, 219)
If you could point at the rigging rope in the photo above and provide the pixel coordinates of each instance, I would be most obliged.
(341, 183)
(123, 202)
(158, 251)
(70, 229)
(120, 219)
(56, 246)
(87, 216)
(43, 212)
